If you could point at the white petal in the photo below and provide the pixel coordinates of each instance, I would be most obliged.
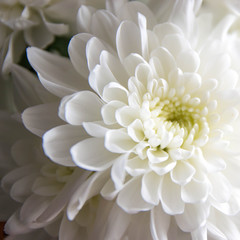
(118, 141)
(188, 61)
(109, 191)
(179, 154)
(143, 74)
(130, 198)
(15, 175)
(15, 226)
(33, 207)
(130, 12)
(232, 207)
(214, 232)
(84, 106)
(200, 233)
(194, 215)
(114, 91)
(118, 172)
(97, 160)
(195, 191)
(150, 188)
(95, 129)
(131, 62)
(168, 28)
(135, 131)
(226, 226)
(182, 173)
(38, 36)
(91, 187)
(117, 223)
(175, 43)
(69, 229)
(109, 111)
(170, 194)
(221, 187)
(77, 53)
(53, 71)
(41, 118)
(84, 18)
(55, 28)
(128, 36)
(19, 193)
(104, 25)
(163, 167)
(28, 91)
(137, 166)
(114, 6)
(157, 156)
(159, 218)
(113, 64)
(99, 78)
(58, 141)
(142, 22)
(94, 49)
(126, 115)
(166, 59)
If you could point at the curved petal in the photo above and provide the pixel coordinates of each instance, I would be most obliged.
(104, 25)
(58, 141)
(113, 64)
(195, 191)
(91, 187)
(41, 118)
(194, 215)
(170, 195)
(118, 172)
(84, 18)
(53, 71)
(109, 111)
(159, 218)
(130, 11)
(137, 166)
(95, 129)
(84, 106)
(150, 188)
(130, 197)
(136, 131)
(62, 198)
(118, 141)
(182, 173)
(221, 187)
(28, 91)
(38, 36)
(33, 207)
(97, 160)
(100, 77)
(77, 53)
(126, 115)
(94, 49)
(128, 36)
(114, 91)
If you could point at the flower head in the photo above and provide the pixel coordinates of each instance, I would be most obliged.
(162, 115)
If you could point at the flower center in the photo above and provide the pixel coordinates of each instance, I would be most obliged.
(164, 119)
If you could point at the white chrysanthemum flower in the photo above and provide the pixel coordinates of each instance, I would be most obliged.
(163, 115)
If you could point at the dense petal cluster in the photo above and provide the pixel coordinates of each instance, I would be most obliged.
(140, 128)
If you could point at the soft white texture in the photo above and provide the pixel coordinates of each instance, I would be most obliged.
(163, 116)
